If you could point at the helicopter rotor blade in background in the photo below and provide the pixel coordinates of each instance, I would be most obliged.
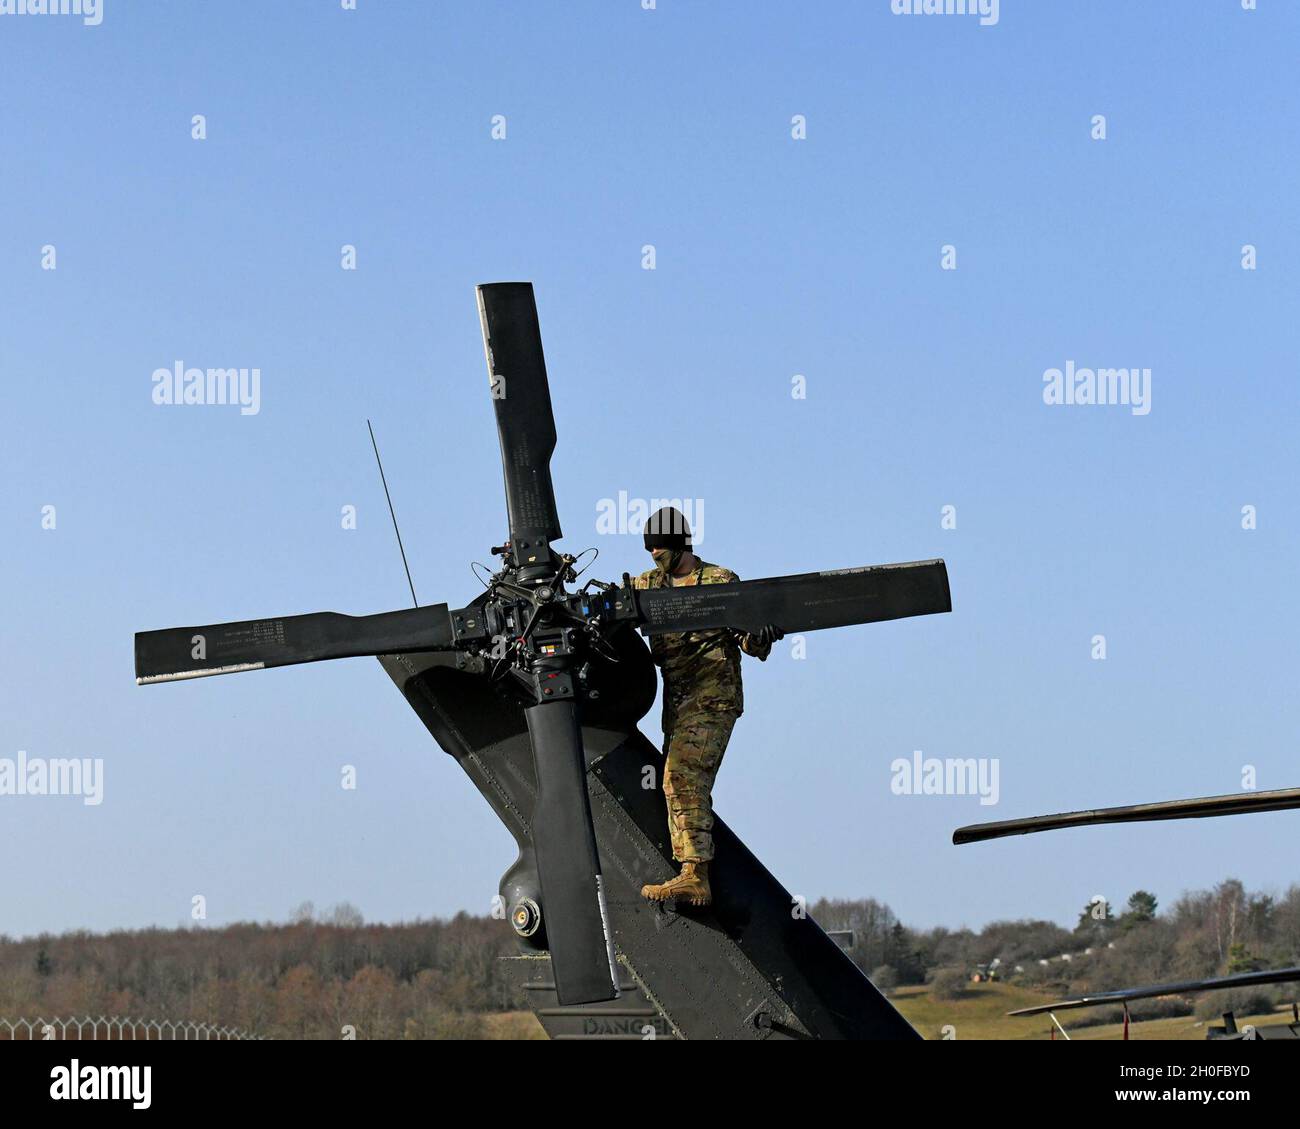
(1280, 799)
(1238, 980)
(521, 396)
(568, 867)
(226, 648)
(806, 602)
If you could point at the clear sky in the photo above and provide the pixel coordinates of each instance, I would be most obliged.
(774, 257)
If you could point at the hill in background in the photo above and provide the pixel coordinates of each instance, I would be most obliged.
(313, 978)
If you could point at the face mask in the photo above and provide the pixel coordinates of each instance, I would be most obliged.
(667, 560)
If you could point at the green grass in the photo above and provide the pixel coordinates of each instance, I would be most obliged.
(981, 1013)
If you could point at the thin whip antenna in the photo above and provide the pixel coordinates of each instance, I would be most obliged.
(393, 514)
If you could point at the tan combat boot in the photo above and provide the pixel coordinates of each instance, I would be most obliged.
(691, 886)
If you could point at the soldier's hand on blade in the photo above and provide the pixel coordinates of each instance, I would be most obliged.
(769, 634)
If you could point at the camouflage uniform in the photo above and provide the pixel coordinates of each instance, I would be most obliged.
(702, 699)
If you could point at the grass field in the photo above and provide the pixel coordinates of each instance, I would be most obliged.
(981, 1013)
(513, 1025)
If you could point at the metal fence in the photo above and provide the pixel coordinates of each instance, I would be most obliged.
(115, 1028)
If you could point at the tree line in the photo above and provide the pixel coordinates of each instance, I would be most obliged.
(1204, 934)
(308, 979)
(320, 976)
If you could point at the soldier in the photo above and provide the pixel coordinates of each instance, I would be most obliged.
(702, 700)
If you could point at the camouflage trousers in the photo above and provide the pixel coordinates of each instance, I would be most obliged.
(693, 752)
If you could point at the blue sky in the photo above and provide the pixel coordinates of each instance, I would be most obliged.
(774, 257)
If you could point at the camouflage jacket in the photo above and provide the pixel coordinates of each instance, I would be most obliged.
(701, 669)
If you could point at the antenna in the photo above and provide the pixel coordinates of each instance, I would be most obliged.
(394, 515)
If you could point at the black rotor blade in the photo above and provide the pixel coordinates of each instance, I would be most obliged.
(568, 868)
(1243, 803)
(521, 396)
(1239, 980)
(807, 602)
(226, 648)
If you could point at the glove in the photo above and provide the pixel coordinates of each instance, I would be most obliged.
(766, 636)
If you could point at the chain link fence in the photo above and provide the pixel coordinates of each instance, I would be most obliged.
(114, 1028)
